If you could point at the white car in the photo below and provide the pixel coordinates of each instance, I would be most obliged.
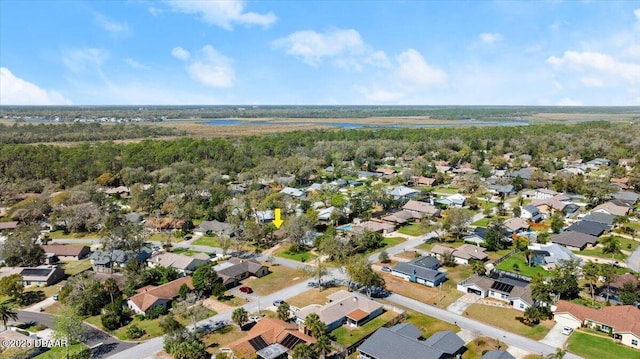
(567, 330)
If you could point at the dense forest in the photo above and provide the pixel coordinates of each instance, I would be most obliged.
(206, 112)
(77, 132)
(303, 153)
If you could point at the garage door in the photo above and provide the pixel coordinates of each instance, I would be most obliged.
(566, 320)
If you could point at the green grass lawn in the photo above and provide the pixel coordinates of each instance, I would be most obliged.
(279, 278)
(484, 204)
(59, 234)
(482, 222)
(61, 352)
(390, 242)
(597, 252)
(506, 318)
(445, 190)
(413, 230)
(186, 252)
(75, 267)
(523, 268)
(348, 337)
(304, 256)
(596, 347)
(428, 325)
(207, 241)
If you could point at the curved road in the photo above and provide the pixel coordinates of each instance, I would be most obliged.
(92, 335)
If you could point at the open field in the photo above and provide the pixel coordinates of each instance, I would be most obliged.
(597, 347)
(441, 296)
(312, 296)
(506, 319)
(279, 278)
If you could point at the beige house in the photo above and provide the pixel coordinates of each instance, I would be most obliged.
(343, 307)
(462, 254)
(183, 264)
(37, 276)
(622, 322)
(66, 252)
(152, 296)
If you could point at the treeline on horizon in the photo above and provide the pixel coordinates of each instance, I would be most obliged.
(68, 113)
(31, 133)
(300, 152)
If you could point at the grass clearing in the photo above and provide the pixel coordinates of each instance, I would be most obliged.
(506, 319)
(441, 296)
(482, 344)
(207, 241)
(428, 325)
(60, 234)
(349, 336)
(517, 263)
(304, 256)
(61, 352)
(76, 267)
(598, 253)
(280, 277)
(482, 222)
(222, 337)
(414, 230)
(596, 347)
(312, 296)
(388, 242)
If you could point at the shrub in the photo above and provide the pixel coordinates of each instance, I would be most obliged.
(156, 311)
(134, 332)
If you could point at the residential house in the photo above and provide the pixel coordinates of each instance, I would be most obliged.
(404, 341)
(270, 338)
(42, 275)
(421, 270)
(501, 190)
(386, 171)
(627, 163)
(401, 217)
(539, 194)
(524, 173)
(264, 216)
(531, 213)
(402, 193)
(622, 322)
(612, 208)
(183, 264)
(237, 269)
(497, 354)
(587, 227)
(373, 226)
(423, 181)
(550, 255)
(516, 225)
(629, 198)
(120, 190)
(65, 252)
(574, 240)
(151, 296)
(8, 226)
(612, 291)
(343, 307)
(293, 192)
(422, 209)
(514, 291)
(104, 260)
(215, 227)
(324, 214)
(454, 200)
(463, 254)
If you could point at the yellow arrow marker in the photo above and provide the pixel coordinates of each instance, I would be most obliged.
(278, 221)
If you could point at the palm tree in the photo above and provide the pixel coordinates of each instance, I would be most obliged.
(302, 351)
(240, 316)
(323, 346)
(7, 313)
(591, 273)
(612, 246)
(284, 311)
(314, 325)
(559, 354)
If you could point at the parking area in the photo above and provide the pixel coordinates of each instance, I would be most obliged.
(555, 337)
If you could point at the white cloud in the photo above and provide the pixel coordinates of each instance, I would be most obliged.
(636, 12)
(314, 46)
(16, 91)
(223, 13)
(596, 63)
(490, 38)
(413, 69)
(136, 65)
(78, 60)
(212, 69)
(592, 81)
(180, 53)
(114, 27)
(568, 102)
(380, 96)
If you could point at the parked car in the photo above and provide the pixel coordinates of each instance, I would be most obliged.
(278, 302)
(386, 269)
(254, 318)
(567, 330)
(246, 290)
(55, 297)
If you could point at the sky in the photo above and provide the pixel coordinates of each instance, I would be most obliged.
(329, 52)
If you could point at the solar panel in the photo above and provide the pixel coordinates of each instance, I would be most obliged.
(290, 341)
(36, 272)
(258, 343)
(503, 287)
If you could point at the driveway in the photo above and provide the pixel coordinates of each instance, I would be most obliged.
(633, 261)
(555, 338)
(462, 303)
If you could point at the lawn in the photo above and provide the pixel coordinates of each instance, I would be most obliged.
(522, 267)
(350, 336)
(312, 296)
(597, 252)
(46, 291)
(414, 230)
(207, 241)
(222, 338)
(59, 234)
(280, 277)
(441, 296)
(61, 352)
(304, 256)
(428, 325)
(445, 190)
(184, 251)
(596, 347)
(506, 319)
(481, 344)
(390, 242)
(482, 222)
(484, 204)
(75, 267)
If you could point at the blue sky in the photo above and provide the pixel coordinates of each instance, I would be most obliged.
(307, 52)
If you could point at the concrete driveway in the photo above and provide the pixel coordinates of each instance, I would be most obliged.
(462, 303)
(555, 338)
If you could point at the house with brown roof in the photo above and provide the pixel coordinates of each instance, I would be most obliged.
(343, 308)
(237, 269)
(8, 226)
(423, 209)
(612, 291)
(574, 240)
(270, 338)
(423, 181)
(516, 225)
(152, 296)
(462, 254)
(622, 322)
(65, 252)
(612, 208)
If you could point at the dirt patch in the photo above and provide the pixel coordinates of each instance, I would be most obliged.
(440, 296)
(215, 305)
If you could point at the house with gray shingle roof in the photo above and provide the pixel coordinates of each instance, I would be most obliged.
(498, 354)
(215, 227)
(182, 263)
(517, 293)
(237, 269)
(421, 270)
(574, 240)
(103, 260)
(403, 341)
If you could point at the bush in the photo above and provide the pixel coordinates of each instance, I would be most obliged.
(83, 354)
(156, 311)
(112, 321)
(134, 332)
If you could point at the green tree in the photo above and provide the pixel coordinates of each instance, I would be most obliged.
(68, 326)
(611, 246)
(559, 354)
(317, 271)
(170, 325)
(303, 351)
(284, 311)
(557, 222)
(564, 279)
(630, 293)
(534, 315)
(206, 279)
(494, 236)
(456, 221)
(540, 290)
(240, 316)
(591, 272)
(478, 267)
(609, 275)
(7, 313)
(323, 346)
(12, 286)
(517, 211)
(21, 249)
(314, 326)
(359, 270)
(384, 257)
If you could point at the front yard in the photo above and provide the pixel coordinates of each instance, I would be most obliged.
(222, 337)
(414, 230)
(312, 296)
(597, 347)
(441, 296)
(280, 277)
(507, 319)
(207, 241)
(61, 352)
(76, 267)
(302, 256)
(349, 336)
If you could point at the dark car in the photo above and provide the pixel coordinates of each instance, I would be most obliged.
(246, 290)
(278, 302)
